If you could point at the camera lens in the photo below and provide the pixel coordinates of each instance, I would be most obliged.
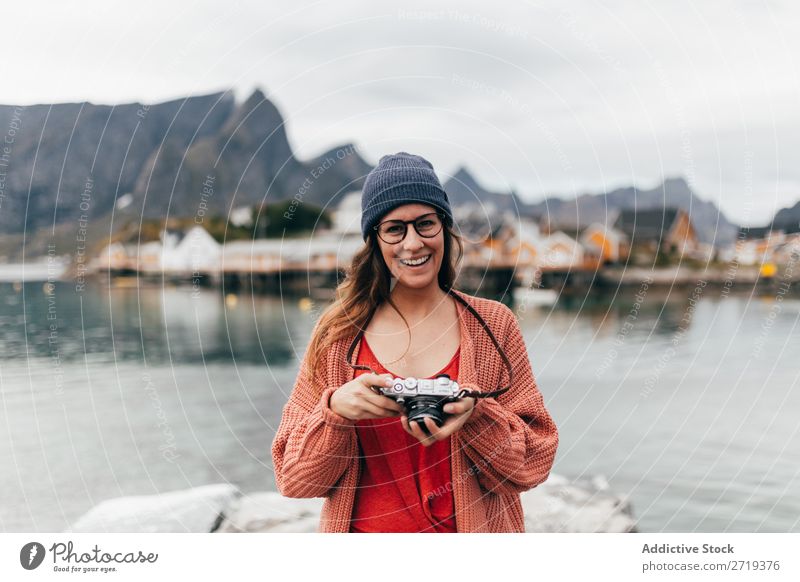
(421, 407)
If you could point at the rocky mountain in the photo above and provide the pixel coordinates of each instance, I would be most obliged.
(204, 154)
(74, 159)
(462, 189)
(575, 213)
(70, 164)
(787, 219)
(711, 224)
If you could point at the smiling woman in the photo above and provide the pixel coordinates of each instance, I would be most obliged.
(419, 254)
(341, 438)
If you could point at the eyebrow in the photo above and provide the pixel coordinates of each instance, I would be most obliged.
(410, 219)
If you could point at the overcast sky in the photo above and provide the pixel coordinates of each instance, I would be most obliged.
(549, 98)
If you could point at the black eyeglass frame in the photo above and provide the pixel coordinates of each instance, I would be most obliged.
(405, 223)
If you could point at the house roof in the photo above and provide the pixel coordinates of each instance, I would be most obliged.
(753, 232)
(570, 231)
(651, 223)
(475, 227)
(176, 234)
(560, 236)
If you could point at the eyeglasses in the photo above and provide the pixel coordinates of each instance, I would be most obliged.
(393, 231)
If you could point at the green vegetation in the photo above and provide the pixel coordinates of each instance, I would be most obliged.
(664, 259)
(290, 216)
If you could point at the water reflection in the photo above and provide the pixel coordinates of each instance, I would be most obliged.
(156, 325)
(686, 405)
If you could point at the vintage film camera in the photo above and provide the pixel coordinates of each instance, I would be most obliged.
(424, 397)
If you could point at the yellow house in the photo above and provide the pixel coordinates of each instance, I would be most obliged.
(607, 243)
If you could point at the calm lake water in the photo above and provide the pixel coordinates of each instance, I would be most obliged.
(687, 402)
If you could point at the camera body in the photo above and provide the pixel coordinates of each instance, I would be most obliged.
(423, 397)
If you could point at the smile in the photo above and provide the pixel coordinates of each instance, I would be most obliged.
(415, 262)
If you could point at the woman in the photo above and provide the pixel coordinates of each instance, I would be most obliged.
(396, 314)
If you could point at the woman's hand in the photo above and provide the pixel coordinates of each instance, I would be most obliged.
(459, 412)
(356, 400)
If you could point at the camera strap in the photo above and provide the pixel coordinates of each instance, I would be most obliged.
(464, 392)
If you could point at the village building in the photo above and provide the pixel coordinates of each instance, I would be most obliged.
(607, 244)
(189, 251)
(760, 246)
(669, 230)
(320, 253)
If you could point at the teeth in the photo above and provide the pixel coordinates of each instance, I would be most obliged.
(416, 261)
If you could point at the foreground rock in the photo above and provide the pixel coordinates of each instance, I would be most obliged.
(586, 506)
(558, 505)
(192, 510)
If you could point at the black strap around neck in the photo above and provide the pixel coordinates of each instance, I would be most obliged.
(463, 393)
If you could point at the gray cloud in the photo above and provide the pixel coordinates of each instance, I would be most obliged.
(550, 98)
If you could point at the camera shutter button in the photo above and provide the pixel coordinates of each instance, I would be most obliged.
(410, 383)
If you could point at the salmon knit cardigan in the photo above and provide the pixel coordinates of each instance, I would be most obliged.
(505, 447)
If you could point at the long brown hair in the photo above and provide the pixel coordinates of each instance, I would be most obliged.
(365, 286)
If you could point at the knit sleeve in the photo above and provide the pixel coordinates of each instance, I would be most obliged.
(313, 445)
(512, 441)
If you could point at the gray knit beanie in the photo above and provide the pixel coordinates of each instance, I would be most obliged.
(398, 179)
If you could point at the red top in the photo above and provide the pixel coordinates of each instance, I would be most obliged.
(403, 486)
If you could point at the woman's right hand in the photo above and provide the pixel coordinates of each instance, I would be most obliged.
(356, 400)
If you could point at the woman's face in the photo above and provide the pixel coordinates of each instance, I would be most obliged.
(413, 246)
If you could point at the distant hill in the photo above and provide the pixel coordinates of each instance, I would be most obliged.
(711, 224)
(463, 188)
(59, 148)
(787, 219)
(73, 161)
(76, 163)
(249, 160)
(576, 213)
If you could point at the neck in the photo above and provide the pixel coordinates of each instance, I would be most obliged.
(416, 304)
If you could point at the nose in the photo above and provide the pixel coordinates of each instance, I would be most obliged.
(412, 241)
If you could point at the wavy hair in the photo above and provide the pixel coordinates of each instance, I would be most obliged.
(367, 285)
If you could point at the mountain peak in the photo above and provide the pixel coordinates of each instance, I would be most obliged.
(345, 154)
(464, 176)
(256, 97)
(676, 186)
(462, 170)
(676, 180)
(463, 188)
(348, 147)
(258, 115)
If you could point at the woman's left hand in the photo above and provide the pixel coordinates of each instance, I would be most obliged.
(458, 413)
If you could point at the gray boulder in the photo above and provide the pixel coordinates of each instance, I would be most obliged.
(557, 505)
(194, 510)
(586, 506)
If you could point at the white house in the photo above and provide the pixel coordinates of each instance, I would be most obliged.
(753, 251)
(114, 256)
(194, 250)
(526, 245)
(241, 216)
(561, 251)
(320, 252)
(788, 251)
(146, 257)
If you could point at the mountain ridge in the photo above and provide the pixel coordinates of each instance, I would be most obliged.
(73, 161)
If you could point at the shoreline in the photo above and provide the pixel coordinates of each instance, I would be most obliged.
(557, 505)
